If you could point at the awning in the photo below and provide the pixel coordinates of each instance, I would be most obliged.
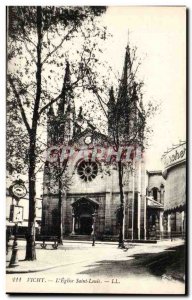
(153, 203)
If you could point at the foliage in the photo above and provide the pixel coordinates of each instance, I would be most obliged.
(62, 29)
(40, 39)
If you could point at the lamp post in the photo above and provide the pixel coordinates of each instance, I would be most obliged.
(14, 257)
(18, 191)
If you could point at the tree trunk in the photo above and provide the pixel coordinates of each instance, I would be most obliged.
(60, 229)
(121, 213)
(30, 248)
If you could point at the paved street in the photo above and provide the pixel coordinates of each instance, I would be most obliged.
(143, 268)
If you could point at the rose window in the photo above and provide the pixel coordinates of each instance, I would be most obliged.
(87, 170)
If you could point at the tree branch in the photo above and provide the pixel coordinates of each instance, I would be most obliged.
(38, 71)
(41, 166)
(100, 101)
(20, 104)
(48, 105)
(32, 56)
(30, 41)
(58, 46)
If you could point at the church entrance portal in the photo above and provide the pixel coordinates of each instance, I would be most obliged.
(83, 216)
(85, 225)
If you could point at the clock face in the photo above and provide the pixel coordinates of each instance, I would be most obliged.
(18, 190)
(88, 140)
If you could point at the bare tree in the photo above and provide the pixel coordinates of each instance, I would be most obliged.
(37, 37)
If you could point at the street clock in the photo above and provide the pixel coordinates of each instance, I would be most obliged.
(18, 190)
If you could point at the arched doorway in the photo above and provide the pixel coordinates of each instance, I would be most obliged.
(84, 210)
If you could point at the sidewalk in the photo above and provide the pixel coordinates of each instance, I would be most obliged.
(74, 252)
(48, 258)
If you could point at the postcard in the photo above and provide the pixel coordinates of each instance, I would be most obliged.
(96, 150)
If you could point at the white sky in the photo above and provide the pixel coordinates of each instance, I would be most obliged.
(159, 33)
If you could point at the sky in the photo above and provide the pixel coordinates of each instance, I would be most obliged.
(159, 33)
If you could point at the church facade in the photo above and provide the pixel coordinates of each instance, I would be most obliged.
(86, 195)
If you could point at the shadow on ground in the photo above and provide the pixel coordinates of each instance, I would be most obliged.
(169, 263)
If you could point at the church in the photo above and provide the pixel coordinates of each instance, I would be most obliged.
(81, 195)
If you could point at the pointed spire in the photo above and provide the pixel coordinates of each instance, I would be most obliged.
(67, 79)
(123, 106)
(111, 102)
(124, 84)
(66, 92)
(127, 65)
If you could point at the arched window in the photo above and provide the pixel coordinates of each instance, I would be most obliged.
(155, 193)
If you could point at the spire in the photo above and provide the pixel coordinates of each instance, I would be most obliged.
(66, 93)
(111, 111)
(111, 102)
(124, 85)
(123, 103)
(67, 79)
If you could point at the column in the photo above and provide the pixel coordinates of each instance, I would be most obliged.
(145, 217)
(183, 224)
(133, 202)
(143, 202)
(124, 219)
(73, 224)
(139, 202)
(161, 224)
(162, 194)
(93, 227)
(108, 199)
(139, 216)
(169, 225)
